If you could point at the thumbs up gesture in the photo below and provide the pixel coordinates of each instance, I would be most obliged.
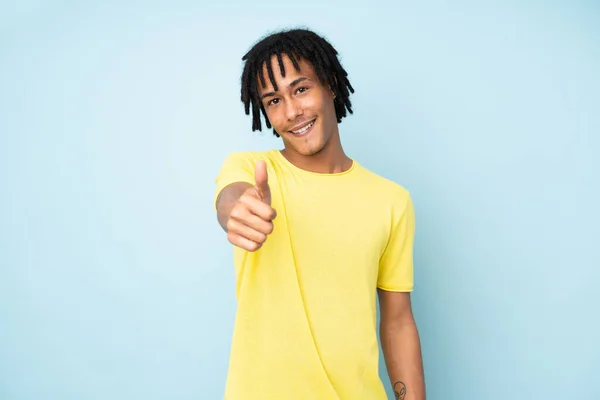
(251, 218)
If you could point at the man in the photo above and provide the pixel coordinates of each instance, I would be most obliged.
(316, 236)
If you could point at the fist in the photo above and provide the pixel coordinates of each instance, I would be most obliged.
(251, 218)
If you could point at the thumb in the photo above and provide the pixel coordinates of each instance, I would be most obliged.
(262, 181)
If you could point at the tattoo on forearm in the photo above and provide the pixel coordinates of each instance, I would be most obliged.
(400, 390)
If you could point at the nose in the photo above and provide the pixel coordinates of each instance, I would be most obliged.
(293, 109)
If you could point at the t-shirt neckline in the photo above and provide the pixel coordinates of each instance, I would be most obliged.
(304, 171)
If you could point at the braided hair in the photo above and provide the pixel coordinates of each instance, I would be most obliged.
(296, 44)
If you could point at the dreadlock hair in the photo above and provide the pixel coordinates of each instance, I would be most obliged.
(296, 44)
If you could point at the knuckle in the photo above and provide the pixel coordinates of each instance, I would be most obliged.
(262, 238)
(270, 228)
(249, 193)
(238, 210)
(235, 211)
(231, 237)
(230, 225)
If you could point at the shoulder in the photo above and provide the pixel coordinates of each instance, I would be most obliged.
(253, 155)
(247, 155)
(247, 158)
(390, 199)
(383, 187)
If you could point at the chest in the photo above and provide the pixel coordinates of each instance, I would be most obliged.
(335, 223)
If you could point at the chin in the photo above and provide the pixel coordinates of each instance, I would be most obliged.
(310, 147)
(309, 152)
(307, 149)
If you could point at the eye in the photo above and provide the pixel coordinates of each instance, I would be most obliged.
(302, 89)
(273, 102)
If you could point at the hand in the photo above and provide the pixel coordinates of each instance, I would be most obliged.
(251, 218)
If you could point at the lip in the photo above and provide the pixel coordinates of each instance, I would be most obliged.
(302, 125)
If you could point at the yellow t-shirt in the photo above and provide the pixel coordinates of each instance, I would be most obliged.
(306, 319)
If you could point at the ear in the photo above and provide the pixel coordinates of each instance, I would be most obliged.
(332, 92)
(331, 89)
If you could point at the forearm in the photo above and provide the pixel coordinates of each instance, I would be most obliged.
(227, 199)
(402, 352)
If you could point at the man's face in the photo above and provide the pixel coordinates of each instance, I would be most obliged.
(302, 109)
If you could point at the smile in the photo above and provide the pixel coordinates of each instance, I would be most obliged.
(304, 129)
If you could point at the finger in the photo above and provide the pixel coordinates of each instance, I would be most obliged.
(242, 242)
(238, 228)
(261, 180)
(257, 207)
(255, 222)
(260, 175)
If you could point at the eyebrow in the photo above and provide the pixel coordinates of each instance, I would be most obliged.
(294, 83)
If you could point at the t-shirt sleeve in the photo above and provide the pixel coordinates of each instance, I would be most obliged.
(396, 272)
(237, 167)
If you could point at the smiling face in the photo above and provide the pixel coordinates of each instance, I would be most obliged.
(301, 110)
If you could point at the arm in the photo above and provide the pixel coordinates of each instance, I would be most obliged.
(401, 345)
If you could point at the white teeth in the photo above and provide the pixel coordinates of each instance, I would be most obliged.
(307, 127)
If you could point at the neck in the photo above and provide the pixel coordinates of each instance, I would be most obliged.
(331, 159)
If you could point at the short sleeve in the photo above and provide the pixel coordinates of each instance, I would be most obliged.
(396, 271)
(237, 167)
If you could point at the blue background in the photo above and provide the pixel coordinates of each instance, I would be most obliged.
(116, 281)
